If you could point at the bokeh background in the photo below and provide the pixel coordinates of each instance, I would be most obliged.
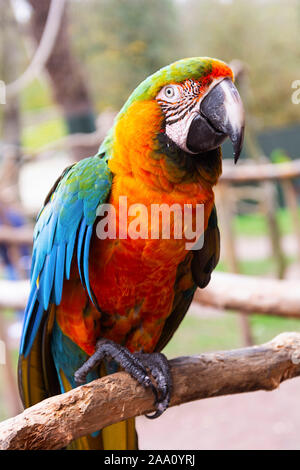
(67, 71)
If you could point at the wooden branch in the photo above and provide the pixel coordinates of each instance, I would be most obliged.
(16, 235)
(251, 294)
(260, 171)
(55, 422)
(14, 294)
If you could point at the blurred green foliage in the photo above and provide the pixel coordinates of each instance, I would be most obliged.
(36, 136)
(35, 96)
(264, 35)
(121, 42)
(256, 225)
(198, 334)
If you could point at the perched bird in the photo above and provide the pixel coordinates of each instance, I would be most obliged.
(100, 302)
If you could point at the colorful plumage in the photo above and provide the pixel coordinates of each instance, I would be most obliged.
(164, 148)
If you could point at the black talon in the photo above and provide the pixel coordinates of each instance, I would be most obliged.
(136, 365)
(159, 411)
(158, 365)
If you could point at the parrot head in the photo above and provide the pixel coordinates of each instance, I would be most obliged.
(191, 105)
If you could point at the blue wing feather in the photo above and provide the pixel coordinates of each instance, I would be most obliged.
(59, 273)
(47, 282)
(80, 244)
(67, 219)
(89, 232)
(69, 254)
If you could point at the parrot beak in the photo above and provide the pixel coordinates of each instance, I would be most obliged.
(221, 115)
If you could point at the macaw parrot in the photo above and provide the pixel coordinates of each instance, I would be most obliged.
(98, 304)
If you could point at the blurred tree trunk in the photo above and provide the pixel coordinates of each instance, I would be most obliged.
(67, 77)
(11, 122)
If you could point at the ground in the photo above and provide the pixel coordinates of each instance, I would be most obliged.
(257, 420)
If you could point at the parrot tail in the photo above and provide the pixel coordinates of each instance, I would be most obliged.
(48, 370)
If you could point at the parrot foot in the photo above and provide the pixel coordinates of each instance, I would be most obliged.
(136, 365)
(159, 368)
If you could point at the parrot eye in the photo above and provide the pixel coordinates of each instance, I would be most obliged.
(169, 92)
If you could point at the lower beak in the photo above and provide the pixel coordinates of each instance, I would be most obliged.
(221, 115)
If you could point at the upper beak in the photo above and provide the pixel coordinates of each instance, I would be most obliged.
(221, 115)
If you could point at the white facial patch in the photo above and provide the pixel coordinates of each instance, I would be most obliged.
(178, 131)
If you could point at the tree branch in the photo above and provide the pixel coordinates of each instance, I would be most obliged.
(250, 294)
(13, 294)
(55, 422)
(260, 172)
(16, 235)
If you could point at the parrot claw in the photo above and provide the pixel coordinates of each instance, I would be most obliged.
(136, 364)
(159, 368)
